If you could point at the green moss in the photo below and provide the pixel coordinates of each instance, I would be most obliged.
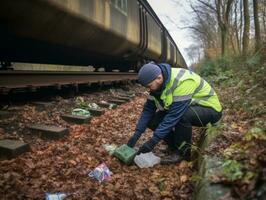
(212, 131)
(255, 133)
(232, 170)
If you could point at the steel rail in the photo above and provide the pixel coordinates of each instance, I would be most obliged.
(22, 79)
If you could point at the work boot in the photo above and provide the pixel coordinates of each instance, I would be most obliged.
(171, 159)
(168, 151)
(163, 152)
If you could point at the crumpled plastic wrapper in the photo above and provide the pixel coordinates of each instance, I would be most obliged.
(93, 106)
(101, 173)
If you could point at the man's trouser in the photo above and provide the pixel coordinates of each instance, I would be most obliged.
(180, 138)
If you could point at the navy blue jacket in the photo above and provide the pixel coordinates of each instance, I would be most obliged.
(174, 114)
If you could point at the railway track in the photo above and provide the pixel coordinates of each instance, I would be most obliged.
(35, 79)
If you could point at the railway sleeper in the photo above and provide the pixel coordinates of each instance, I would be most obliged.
(12, 148)
(76, 119)
(95, 112)
(107, 105)
(122, 98)
(49, 132)
(116, 101)
(5, 114)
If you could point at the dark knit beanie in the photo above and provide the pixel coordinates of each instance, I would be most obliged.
(148, 73)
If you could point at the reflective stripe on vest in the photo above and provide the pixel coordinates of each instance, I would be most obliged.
(200, 86)
(205, 98)
(150, 97)
(158, 105)
(187, 97)
(182, 98)
(198, 96)
(177, 78)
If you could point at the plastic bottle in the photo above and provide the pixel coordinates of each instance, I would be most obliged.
(145, 160)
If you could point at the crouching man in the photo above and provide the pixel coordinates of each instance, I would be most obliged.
(178, 100)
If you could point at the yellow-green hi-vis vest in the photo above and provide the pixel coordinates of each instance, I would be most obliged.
(187, 85)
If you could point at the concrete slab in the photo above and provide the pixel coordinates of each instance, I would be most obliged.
(15, 108)
(116, 101)
(5, 114)
(127, 96)
(95, 112)
(107, 105)
(41, 103)
(122, 98)
(205, 189)
(139, 94)
(40, 106)
(75, 119)
(130, 93)
(49, 132)
(2, 131)
(12, 148)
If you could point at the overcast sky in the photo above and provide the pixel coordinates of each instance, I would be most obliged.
(178, 12)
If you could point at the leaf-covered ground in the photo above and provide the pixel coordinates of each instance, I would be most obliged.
(241, 140)
(63, 165)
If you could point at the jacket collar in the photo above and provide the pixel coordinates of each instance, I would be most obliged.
(166, 72)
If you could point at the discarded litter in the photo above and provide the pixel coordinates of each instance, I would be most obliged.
(131, 95)
(125, 153)
(56, 196)
(80, 112)
(93, 105)
(79, 100)
(112, 91)
(111, 105)
(101, 173)
(110, 148)
(145, 160)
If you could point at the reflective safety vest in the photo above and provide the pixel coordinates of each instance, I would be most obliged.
(187, 85)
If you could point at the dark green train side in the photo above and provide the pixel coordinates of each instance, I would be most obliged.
(115, 34)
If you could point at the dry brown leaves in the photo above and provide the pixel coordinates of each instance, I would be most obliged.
(63, 165)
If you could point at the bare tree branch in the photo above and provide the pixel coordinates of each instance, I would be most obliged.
(207, 5)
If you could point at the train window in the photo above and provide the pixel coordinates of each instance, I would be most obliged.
(120, 5)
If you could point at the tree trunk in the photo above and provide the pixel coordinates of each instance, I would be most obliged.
(223, 39)
(223, 22)
(257, 26)
(241, 25)
(236, 28)
(246, 28)
(232, 41)
(263, 10)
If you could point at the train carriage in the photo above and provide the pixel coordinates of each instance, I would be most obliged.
(115, 34)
